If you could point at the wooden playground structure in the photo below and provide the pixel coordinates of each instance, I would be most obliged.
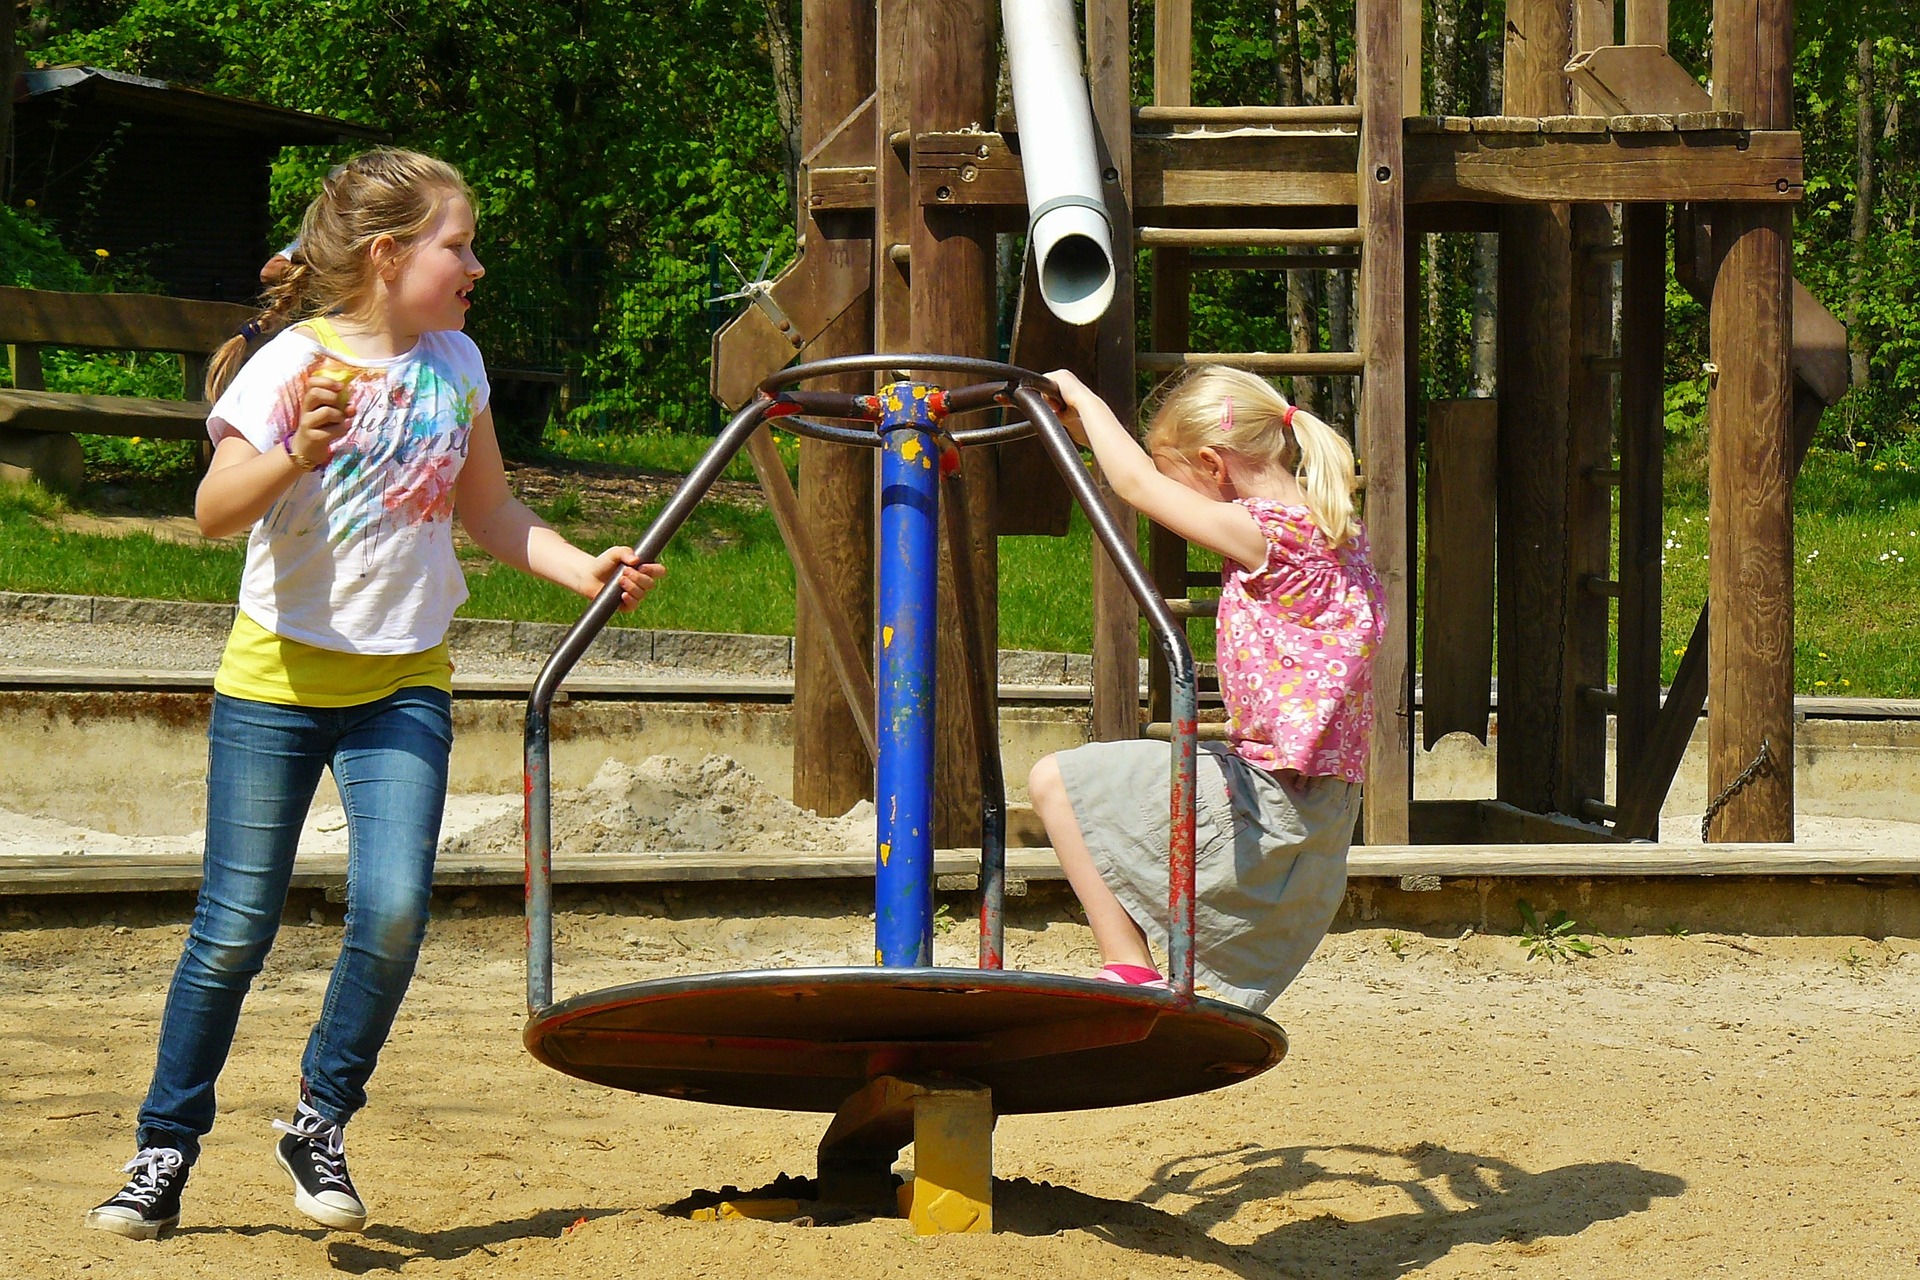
(1607, 146)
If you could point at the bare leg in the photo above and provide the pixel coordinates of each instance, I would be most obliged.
(1114, 931)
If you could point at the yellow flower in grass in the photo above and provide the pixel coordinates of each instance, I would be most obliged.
(101, 253)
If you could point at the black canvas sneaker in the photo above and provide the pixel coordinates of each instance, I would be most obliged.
(314, 1154)
(150, 1202)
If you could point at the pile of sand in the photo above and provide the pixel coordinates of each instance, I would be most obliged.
(669, 803)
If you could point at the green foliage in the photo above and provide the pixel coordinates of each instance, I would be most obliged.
(605, 159)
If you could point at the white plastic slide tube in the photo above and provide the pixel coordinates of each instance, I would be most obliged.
(1067, 227)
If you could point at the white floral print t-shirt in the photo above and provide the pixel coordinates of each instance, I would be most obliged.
(358, 556)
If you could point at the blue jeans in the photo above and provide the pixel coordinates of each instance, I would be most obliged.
(389, 760)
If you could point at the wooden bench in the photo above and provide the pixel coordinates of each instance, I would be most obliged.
(37, 426)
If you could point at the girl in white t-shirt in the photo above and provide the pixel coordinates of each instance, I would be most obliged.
(350, 424)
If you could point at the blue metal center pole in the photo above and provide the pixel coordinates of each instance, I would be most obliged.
(908, 591)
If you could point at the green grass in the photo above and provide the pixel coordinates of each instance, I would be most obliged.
(1857, 571)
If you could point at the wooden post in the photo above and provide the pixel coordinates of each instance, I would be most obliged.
(1172, 295)
(1647, 22)
(1535, 361)
(1116, 618)
(1583, 723)
(952, 262)
(831, 768)
(1750, 484)
(1382, 425)
(1457, 638)
(1643, 343)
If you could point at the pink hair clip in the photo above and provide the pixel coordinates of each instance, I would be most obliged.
(1226, 414)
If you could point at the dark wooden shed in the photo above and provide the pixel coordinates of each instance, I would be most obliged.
(171, 177)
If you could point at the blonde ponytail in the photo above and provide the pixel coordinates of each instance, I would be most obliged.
(1232, 411)
(388, 192)
(1325, 471)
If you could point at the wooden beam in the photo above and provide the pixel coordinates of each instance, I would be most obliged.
(1592, 28)
(64, 413)
(1570, 854)
(1647, 22)
(1457, 634)
(1606, 168)
(1167, 550)
(1311, 171)
(1644, 786)
(118, 321)
(833, 622)
(1535, 362)
(1381, 430)
(1172, 53)
(1116, 625)
(886, 187)
(952, 313)
(1643, 344)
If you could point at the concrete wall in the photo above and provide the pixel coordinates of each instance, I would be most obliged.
(134, 763)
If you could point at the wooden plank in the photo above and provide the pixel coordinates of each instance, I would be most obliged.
(1688, 121)
(1643, 277)
(1636, 79)
(1303, 171)
(1573, 124)
(1457, 633)
(1507, 124)
(1165, 115)
(1245, 237)
(1381, 429)
(1272, 171)
(1262, 362)
(30, 875)
(118, 321)
(63, 413)
(1640, 124)
(1668, 166)
(1116, 618)
(832, 514)
(1819, 347)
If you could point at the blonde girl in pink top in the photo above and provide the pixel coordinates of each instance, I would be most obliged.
(1231, 465)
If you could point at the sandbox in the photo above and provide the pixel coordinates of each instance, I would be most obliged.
(1690, 1105)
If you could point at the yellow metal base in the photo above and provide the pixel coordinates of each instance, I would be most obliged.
(950, 1123)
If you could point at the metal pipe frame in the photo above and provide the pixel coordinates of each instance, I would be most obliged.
(1014, 386)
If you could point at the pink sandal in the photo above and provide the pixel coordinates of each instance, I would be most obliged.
(1132, 975)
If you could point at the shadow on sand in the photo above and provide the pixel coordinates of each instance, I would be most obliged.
(1453, 1199)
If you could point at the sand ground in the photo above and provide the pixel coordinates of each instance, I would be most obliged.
(1674, 1106)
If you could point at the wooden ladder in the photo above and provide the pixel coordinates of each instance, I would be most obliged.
(1374, 244)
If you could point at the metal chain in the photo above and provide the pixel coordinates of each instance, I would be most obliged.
(1760, 764)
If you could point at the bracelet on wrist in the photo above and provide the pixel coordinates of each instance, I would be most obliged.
(303, 463)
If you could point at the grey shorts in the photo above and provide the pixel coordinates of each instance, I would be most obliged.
(1270, 854)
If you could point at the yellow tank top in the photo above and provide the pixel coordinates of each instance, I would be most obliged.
(263, 667)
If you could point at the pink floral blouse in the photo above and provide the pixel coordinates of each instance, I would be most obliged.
(1295, 649)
